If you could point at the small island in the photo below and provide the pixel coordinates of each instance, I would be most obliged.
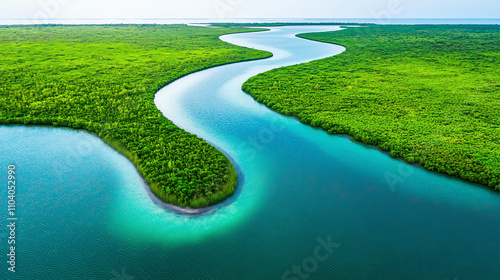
(103, 79)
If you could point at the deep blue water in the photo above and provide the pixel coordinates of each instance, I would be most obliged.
(85, 213)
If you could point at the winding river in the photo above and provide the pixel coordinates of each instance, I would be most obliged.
(308, 205)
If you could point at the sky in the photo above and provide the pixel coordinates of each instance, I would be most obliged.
(147, 9)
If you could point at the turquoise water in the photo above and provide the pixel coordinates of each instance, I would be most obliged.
(85, 213)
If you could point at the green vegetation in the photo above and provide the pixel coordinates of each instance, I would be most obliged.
(103, 79)
(429, 94)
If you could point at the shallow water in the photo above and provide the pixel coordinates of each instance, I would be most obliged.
(85, 213)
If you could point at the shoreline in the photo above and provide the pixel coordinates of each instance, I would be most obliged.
(357, 138)
(119, 148)
(227, 189)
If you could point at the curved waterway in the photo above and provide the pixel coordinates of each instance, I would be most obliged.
(308, 205)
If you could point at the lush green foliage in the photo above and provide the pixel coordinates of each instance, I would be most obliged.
(429, 94)
(103, 79)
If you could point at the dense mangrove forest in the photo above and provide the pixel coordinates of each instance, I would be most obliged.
(103, 79)
(427, 93)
